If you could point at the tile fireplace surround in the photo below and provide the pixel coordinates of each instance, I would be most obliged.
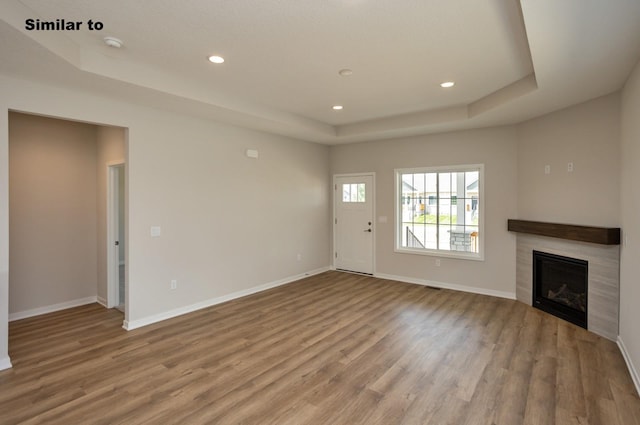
(603, 296)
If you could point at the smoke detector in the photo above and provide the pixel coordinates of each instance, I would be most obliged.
(113, 42)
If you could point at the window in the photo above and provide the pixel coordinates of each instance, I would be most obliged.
(354, 192)
(450, 223)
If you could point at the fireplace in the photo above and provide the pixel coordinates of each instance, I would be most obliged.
(560, 286)
(598, 246)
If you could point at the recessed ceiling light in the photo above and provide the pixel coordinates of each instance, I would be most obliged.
(216, 59)
(345, 72)
(113, 42)
(337, 107)
(447, 84)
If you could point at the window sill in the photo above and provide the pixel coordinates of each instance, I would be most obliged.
(459, 255)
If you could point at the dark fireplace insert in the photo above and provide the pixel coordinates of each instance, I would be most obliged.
(560, 286)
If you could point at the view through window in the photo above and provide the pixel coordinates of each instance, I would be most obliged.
(439, 210)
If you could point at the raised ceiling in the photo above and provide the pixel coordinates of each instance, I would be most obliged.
(511, 60)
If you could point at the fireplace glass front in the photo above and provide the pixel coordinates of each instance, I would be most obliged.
(560, 286)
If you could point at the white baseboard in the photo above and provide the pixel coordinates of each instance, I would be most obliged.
(5, 363)
(134, 324)
(453, 286)
(630, 366)
(51, 308)
(102, 302)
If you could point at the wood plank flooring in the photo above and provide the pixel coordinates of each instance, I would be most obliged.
(332, 349)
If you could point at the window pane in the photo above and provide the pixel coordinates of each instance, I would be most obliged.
(361, 192)
(431, 236)
(346, 190)
(439, 210)
(444, 184)
(413, 235)
(445, 241)
(461, 240)
(475, 238)
(354, 192)
(431, 182)
(472, 191)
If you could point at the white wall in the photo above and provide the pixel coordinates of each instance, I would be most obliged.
(588, 135)
(630, 212)
(229, 223)
(496, 148)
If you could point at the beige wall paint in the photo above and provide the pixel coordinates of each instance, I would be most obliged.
(587, 135)
(110, 149)
(630, 207)
(52, 200)
(121, 214)
(496, 148)
(5, 362)
(229, 223)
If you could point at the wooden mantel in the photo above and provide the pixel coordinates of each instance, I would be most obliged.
(599, 235)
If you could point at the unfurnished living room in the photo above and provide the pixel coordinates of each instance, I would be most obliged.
(320, 212)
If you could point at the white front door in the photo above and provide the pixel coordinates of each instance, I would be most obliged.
(353, 223)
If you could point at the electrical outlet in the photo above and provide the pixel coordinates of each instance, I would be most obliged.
(174, 284)
(299, 257)
(547, 169)
(570, 167)
(437, 262)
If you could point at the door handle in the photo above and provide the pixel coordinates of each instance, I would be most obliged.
(368, 230)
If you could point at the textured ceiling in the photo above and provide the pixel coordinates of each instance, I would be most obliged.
(511, 60)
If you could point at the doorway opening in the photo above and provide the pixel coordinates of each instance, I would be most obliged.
(58, 212)
(116, 262)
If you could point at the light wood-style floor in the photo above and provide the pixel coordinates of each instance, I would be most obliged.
(332, 349)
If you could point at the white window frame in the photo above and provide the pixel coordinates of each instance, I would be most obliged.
(477, 256)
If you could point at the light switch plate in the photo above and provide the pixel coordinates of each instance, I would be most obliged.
(155, 231)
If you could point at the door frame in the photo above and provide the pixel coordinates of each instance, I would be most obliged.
(113, 263)
(373, 219)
